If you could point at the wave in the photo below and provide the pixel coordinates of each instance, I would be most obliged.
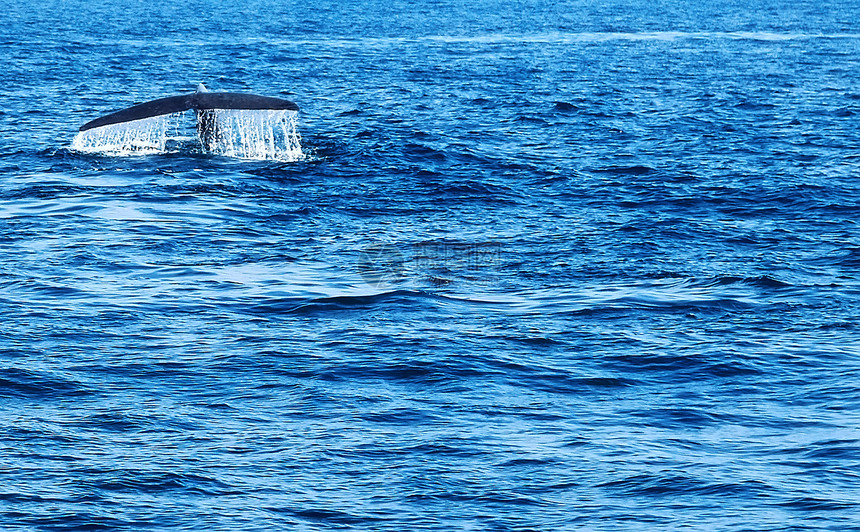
(678, 484)
(627, 170)
(22, 383)
(401, 278)
(676, 295)
(575, 37)
(393, 299)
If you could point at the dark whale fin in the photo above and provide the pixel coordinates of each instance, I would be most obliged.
(162, 106)
(233, 100)
(198, 101)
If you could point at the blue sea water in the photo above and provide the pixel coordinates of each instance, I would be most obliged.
(568, 265)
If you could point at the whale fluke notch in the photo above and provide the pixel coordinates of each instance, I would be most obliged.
(201, 100)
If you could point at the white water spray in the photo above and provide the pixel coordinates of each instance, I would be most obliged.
(266, 134)
(138, 137)
(245, 134)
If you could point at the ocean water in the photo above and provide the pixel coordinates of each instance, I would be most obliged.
(542, 266)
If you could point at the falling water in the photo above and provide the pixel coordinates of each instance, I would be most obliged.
(138, 137)
(244, 134)
(266, 134)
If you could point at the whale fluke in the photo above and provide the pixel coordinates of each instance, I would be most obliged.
(162, 106)
(202, 100)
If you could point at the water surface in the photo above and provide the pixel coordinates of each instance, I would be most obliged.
(546, 266)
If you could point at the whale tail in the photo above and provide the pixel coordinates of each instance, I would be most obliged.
(230, 124)
(202, 100)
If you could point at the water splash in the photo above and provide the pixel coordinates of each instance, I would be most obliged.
(158, 134)
(240, 133)
(245, 134)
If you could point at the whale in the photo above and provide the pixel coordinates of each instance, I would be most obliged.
(203, 102)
